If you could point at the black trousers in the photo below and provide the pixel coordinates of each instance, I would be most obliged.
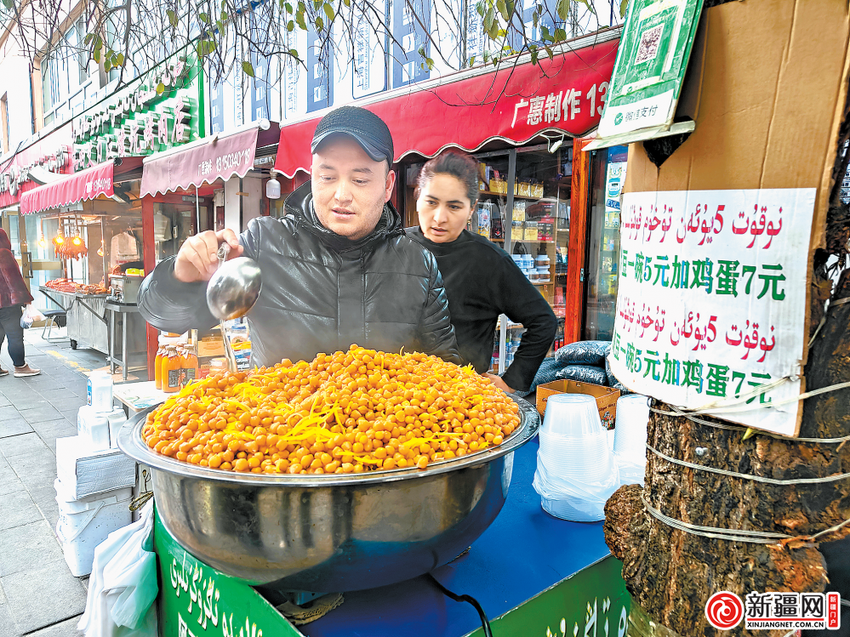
(10, 327)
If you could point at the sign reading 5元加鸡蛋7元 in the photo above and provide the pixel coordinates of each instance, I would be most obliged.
(712, 301)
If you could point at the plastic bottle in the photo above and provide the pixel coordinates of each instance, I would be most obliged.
(163, 367)
(191, 365)
(157, 368)
(171, 371)
(181, 355)
(99, 391)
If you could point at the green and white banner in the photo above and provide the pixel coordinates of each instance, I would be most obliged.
(651, 63)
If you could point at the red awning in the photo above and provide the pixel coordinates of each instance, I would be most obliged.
(215, 157)
(81, 186)
(466, 110)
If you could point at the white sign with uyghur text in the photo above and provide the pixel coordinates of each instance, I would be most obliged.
(712, 301)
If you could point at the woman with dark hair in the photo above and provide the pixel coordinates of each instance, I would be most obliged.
(13, 296)
(481, 279)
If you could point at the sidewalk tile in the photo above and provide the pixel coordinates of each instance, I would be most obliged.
(9, 483)
(25, 445)
(28, 399)
(7, 626)
(10, 427)
(9, 412)
(4, 402)
(67, 628)
(23, 546)
(56, 395)
(71, 403)
(51, 430)
(71, 414)
(8, 478)
(41, 414)
(44, 498)
(43, 596)
(35, 471)
(43, 380)
(17, 509)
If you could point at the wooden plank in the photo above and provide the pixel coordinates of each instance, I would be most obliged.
(579, 201)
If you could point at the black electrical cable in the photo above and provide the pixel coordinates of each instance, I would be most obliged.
(485, 623)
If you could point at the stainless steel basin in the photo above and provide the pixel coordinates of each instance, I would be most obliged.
(330, 533)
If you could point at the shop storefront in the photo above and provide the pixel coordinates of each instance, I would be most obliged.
(45, 160)
(541, 197)
(94, 238)
(211, 184)
(76, 218)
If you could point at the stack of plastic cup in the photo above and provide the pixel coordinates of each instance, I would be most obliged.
(576, 472)
(630, 437)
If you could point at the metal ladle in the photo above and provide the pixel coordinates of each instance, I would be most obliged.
(231, 292)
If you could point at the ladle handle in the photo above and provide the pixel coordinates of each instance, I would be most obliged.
(222, 252)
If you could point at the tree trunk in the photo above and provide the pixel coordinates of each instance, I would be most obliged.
(672, 573)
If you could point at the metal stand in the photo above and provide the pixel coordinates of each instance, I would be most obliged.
(113, 309)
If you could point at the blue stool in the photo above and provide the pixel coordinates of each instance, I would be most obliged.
(55, 318)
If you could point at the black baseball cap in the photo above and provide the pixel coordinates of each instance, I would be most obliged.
(366, 128)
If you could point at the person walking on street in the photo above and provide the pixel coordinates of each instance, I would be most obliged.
(14, 295)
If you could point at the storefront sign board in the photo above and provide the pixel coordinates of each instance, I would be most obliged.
(52, 154)
(81, 186)
(712, 300)
(139, 120)
(651, 63)
(565, 94)
(219, 159)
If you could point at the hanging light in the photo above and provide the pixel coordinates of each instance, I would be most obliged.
(100, 249)
(42, 242)
(273, 187)
(58, 240)
(77, 241)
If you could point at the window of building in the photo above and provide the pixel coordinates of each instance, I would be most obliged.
(4, 122)
(65, 77)
(49, 88)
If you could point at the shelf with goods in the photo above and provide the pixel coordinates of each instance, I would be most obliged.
(524, 207)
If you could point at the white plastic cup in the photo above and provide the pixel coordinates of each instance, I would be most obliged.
(630, 425)
(99, 391)
(590, 458)
(572, 415)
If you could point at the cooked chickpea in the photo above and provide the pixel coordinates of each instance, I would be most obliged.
(348, 412)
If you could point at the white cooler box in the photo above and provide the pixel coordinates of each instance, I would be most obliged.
(85, 522)
(84, 472)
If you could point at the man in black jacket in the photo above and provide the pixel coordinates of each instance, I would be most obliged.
(337, 269)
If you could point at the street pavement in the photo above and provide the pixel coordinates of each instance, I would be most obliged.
(38, 595)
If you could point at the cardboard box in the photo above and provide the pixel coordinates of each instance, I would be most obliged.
(767, 86)
(606, 397)
(211, 348)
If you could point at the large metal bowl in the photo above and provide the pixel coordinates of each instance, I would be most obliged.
(330, 533)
